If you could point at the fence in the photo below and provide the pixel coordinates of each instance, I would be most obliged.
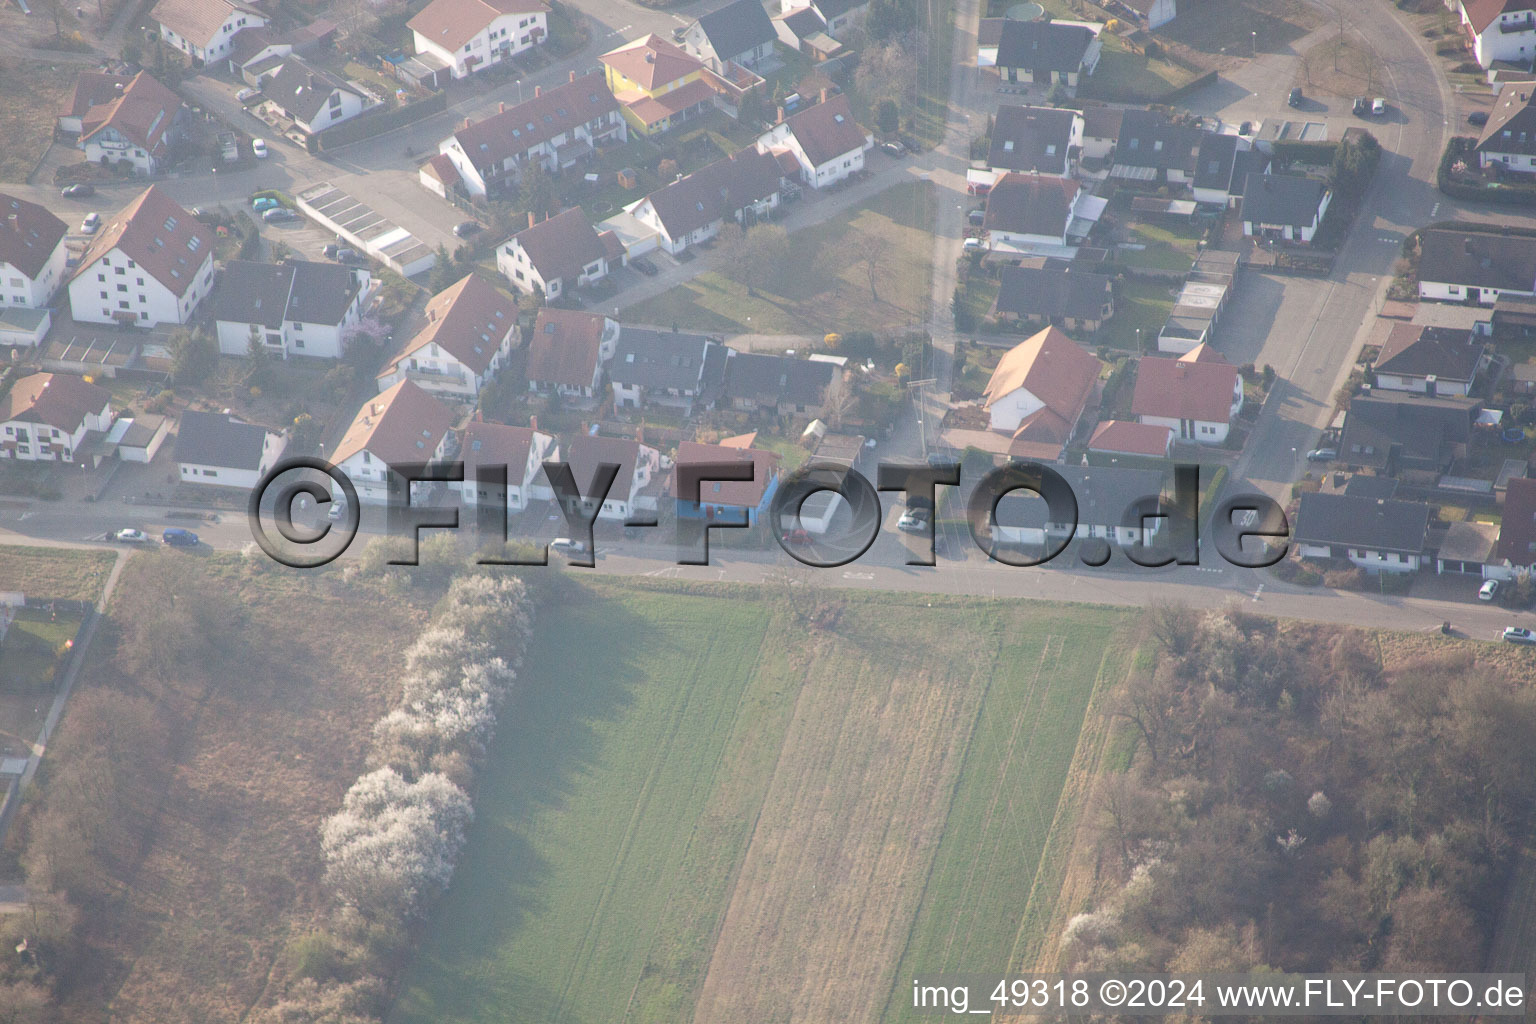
(378, 123)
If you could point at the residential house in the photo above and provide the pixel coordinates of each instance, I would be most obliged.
(837, 17)
(1148, 14)
(521, 450)
(554, 256)
(719, 498)
(1113, 503)
(632, 491)
(1283, 206)
(1197, 398)
(1039, 390)
(32, 253)
(313, 98)
(804, 31)
(1155, 149)
(259, 49)
(1035, 214)
(471, 328)
(1378, 534)
(1036, 140)
(217, 449)
(782, 385)
(152, 263)
(1101, 133)
(1516, 549)
(92, 89)
(826, 142)
(471, 35)
(1429, 360)
(567, 351)
(658, 84)
(203, 29)
(557, 128)
(1468, 547)
(1222, 166)
(743, 187)
(1500, 30)
(137, 127)
(1398, 433)
(401, 426)
(294, 308)
(1047, 53)
(1508, 141)
(1073, 299)
(738, 33)
(1132, 440)
(1475, 267)
(45, 417)
(668, 368)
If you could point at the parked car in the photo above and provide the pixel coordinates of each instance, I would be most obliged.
(261, 203)
(465, 228)
(1295, 98)
(279, 215)
(1478, 117)
(79, 190)
(914, 520)
(567, 546)
(1361, 106)
(971, 244)
(1488, 591)
(894, 148)
(259, 148)
(345, 255)
(245, 94)
(331, 250)
(1516, 635)
(337, 510)
(1246, 128)
(131, 536)
(1378, 107)
(977, 216)
(645, 266)
(1322, 454)
(177, 537)
(90, 224)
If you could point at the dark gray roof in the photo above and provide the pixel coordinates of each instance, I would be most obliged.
(1419, 430)
(1362, 486)
(1511, 126)
(1104, 495)
(1282, 199)
(661, 359)
(302, 89)
(831, 9)
(736, 28)
(212, 439)
(1047, 292)
(1042, 45)
(1031, 139)
(269, 293)
(1377, 524)
(716, 191)
(1478, 259)
(1215, 160)
(1030, 204)
(1447, 353)
(1248, 161)
(775, 379)
(1149, 139)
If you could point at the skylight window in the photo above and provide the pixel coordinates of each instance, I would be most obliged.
(1008, 146)
(170, 223)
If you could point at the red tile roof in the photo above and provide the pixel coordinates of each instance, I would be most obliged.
(93, 89)
(55, 399)
(586, 453)
(737, 493)
(651, 62)
(1176, 389)
(1052, 367)
(497, 444)
(452, 23)
(827, 130)
(468, 320)
(399, 425)
(565, 347)
(197, 20)
(1126, 437)
(143, 114)
(28, 234)
(158, 235)
(517, 129)
(1482, 13)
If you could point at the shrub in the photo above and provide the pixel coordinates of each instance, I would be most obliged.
(1344, 579)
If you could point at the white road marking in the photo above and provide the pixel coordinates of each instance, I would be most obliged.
(858, 575)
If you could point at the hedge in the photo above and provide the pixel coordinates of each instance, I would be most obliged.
(370, 125)
(1504, 195)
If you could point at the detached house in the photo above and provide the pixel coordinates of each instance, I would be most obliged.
(466, 36)
(1072, 299)
(1429, 360)
(92, 89)
(825, 141)
(567, 351)
(471, 327)
(1039, 390)
(45, 417)
(217, 449)
(1283, 206)
(1113, 503)
(557, 128)
(137, 127)
(401, 426)
(632, 490)
(1475, 267)
(658, 84)
(1037, 140)
(1046, 53)
(1500, 30)
(522, 450)
(1516, 548)
(314, 98)
(557, 255)
(203, 29)
(781, 385)
(1508, 140)
(742, 187)
(837, 17)
(1393, 432)
(718, 498)
(294, 308)
(738, 33)
(32, 254)
(1037, 213)
(1196, 398)
(668, 368)
(150, 264)
(1378, 534)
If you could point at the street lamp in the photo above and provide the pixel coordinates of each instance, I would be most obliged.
(1255, 42)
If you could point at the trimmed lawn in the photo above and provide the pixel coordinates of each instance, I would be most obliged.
(829, 293)
(31, 652)
(63, 574)
(1137, 304)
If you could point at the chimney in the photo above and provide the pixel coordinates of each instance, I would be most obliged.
(467, 123)
(781, 115)
(538, 91)
(650, 58)
(573, 76)
(531, 220)
(823, 95)
(1466, 247)
(311, 79)
(13, 221)
(533, 421)
(501, 108)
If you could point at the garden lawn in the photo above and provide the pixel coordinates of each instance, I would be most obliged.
(1137, 304)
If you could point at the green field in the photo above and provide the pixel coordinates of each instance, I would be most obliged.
(695, 810)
